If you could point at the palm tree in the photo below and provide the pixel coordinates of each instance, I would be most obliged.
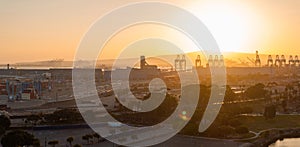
(70, 140)
(85, 138)
(53, 143)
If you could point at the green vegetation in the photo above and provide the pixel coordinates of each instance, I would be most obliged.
(98, 137)
(70, 140)
(227, 123)
(270, 112)
(234, 122)
(4, 124)
(150, 118)
(229, 94)
(86, 138)
(19, 138)
(242, 130)
(225, 130)
(53, 143)
(259, 123)
(33, 119)
(64, 116)
(256, 91)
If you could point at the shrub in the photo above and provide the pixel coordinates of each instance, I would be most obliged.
(18, 138)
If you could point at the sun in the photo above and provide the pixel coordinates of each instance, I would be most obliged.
(230, 23)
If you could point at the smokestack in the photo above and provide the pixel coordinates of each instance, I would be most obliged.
(7, 66)
(142, 62)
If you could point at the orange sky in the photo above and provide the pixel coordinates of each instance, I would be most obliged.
(43, 30)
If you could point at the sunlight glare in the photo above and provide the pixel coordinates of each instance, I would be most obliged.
(229, 23)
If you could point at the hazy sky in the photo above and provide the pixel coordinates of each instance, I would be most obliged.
(44, 30)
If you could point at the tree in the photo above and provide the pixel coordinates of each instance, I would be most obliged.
(18, 138)
(4, 122)
(229, 94)
(96, 135)
(256, 91)
(284, 105)
(33, 119)
(90, 137)
(70, 140)
(2, 131)
(53, 143)
(64, 116)
(221, 131)
(36, 143)
(86, 138)
(270, 112)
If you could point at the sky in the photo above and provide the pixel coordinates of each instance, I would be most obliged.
(36, 30)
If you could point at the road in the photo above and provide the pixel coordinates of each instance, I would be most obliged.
(176, 141)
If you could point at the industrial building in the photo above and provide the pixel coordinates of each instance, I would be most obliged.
(146, 71)
(30, 83)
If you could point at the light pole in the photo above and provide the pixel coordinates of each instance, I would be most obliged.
(56, 96)
(45, 141)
